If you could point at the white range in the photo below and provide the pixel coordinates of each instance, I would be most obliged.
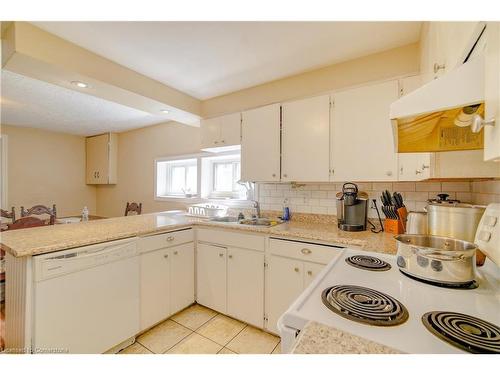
(410, 336)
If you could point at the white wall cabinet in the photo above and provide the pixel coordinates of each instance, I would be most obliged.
(101, 159)
(260, 144)
(305, 140)
(167, 275)
(211, 276)
(245, 285)
(361, 134)
(492, 92)
(221, 131)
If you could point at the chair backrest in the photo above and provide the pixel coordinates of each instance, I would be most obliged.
(27, 222)
(133, 207)
(41, 210)
(8, 214)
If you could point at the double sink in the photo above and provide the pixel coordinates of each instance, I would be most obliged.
(261, 221)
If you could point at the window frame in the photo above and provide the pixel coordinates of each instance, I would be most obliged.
(213, 193)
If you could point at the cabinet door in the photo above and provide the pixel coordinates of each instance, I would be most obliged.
(182, 276)
(211, 276)
(230, 129)
(245, 285)
(210, 132)
(260, 144)
(362, 140)
(431, 52)
(286, 282)
(305, 135)
(155, 287)
(311, 270)
(492, 92)
(97, 155)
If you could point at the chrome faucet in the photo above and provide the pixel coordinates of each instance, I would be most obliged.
(256, 205)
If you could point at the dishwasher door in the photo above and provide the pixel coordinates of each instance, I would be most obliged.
(86, 300)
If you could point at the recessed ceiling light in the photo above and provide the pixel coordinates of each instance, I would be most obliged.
(165, 111)
(80, 84)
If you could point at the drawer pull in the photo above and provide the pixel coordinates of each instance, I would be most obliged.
(176, 252)
(165, 256)
(309, 273)
(170, 238)
(230, 257)
(221, 254)
(306, 251)
(296, 269)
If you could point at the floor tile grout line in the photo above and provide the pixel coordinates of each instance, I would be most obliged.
(219, 343)
(178, 342)
(246, 325)
(151, 352)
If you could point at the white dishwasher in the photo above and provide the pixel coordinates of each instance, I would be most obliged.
(86, 300)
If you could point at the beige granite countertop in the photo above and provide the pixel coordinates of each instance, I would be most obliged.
(40, 240)
(317, 338)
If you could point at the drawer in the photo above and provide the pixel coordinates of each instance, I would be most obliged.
(304, 251)
(159, 241)
(241, 240)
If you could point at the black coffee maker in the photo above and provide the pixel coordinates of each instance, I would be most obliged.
(352, 208)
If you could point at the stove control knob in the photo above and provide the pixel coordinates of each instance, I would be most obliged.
(401, 262)
(436, 265)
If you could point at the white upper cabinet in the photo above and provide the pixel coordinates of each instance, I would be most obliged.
(260, 144)
(413, 166)
(445, 45)
(492, 92)
(362, 142)
(305, 140)
(221, 131)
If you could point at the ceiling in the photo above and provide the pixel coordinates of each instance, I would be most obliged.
(208, 59)
(32, 103)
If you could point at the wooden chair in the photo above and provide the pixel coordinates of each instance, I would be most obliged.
(133, 207)
(27, 222)
(41, 210)
(8, 215)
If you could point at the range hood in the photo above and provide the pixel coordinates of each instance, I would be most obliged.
(437, 116)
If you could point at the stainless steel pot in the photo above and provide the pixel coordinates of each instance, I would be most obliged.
(437, 259)
(456, 220)
(416, 223)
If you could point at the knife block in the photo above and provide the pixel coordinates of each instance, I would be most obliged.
(397, 226)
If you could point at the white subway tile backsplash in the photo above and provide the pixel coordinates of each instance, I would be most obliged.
(320, 198)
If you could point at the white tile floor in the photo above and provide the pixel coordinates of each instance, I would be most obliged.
(199, 330)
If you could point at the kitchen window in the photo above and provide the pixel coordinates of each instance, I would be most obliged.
(177, 178)
(221, 175)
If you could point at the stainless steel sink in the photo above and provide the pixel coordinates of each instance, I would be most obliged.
(255, 221)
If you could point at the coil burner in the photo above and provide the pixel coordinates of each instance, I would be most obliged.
(364, 305)
(369, 263)
(463, 331)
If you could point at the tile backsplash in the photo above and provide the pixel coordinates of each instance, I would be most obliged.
(320, 198)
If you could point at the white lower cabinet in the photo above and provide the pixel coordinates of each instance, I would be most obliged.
(245, 285)
(286, 282)
(211, 276)
(167, 275)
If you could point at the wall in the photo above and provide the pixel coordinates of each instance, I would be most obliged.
(320, 198)
(137, 150)
(45, 168)
(384, 65)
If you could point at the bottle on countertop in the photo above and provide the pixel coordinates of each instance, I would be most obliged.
(286, 210)
(85, 214)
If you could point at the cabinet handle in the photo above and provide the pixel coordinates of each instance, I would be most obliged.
(216, 142)
(274, 174)
(296, 269)
(425, 166)
(176, 252)
(221, 254)
(438, 67)
(230, 257)
(170, 238)
(417, 171)
(305, 251)
(223, 141)
(309, 273)
(285, 175)
(388, 173)
(165, 256)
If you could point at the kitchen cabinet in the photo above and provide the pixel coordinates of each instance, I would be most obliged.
(362, 143)
(167, 275)
(492, 92)
(413, 166)
(260, 144)
(221, 131)
(230, 274)
(211, 276)
(245, 285)
(305, 140)
(155, 287)
(445, 45)
(101, 159)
